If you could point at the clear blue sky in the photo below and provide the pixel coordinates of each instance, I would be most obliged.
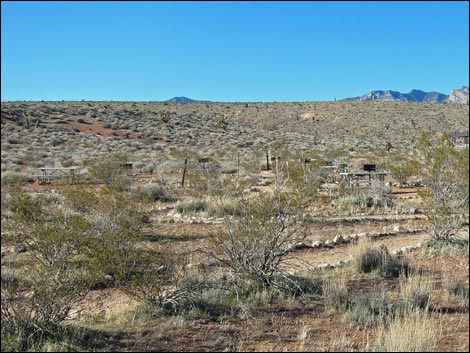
(230, 51)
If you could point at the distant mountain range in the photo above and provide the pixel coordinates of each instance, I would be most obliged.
(459, 96)
(181, 100)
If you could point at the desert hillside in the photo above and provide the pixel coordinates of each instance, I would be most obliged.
(49, 133)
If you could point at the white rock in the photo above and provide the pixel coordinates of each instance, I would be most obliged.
(338, 239)
(324, 266)
(317, 244)
(300, 245)
(329, 242)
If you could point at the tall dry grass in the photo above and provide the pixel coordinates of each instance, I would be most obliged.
(416, 290)
(416, 332)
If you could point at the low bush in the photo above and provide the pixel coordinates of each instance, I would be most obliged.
(368, 309)
(192, 206)
(336, 294)
(449, 246)
(416, 291)
(457, 289)
(377, 259)
(155, 192)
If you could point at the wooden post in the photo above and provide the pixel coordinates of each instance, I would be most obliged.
(184, 172)
(267, 160)
(238, 164)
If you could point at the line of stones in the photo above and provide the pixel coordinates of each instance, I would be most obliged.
(340, 239)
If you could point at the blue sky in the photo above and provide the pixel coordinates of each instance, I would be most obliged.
(230, 51)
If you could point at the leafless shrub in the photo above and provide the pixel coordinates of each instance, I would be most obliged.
(257, 240)
(445, 173)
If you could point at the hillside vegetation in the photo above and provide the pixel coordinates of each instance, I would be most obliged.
(232, 227)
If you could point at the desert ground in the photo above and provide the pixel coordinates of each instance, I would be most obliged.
(239, 150)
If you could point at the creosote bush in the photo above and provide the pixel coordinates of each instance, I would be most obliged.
(445, 174)
(68, 250)
(258, 239)
(51, 282)
(162, 279)
(111, 170)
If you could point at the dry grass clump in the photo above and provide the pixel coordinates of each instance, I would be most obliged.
(377, 259)
(155, 192)
(210, 206)
(335, 292)
(457, 289)
(191, 206)
(369, 309)
(370, 200)
(415, 332)
(416, 291)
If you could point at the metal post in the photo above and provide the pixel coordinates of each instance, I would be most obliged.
(238, 164)
(184, 172)
(267, 160)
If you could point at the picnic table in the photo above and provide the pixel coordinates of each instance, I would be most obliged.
(50, 173)
(364, 177)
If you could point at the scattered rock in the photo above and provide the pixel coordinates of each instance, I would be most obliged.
(329, 243)
(325, 266)
(299, 246)
(317, 244)
(338, 239)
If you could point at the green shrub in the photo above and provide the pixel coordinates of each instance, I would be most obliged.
(115, 230)
(450, 246)
(111, 169)
(52, 281)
